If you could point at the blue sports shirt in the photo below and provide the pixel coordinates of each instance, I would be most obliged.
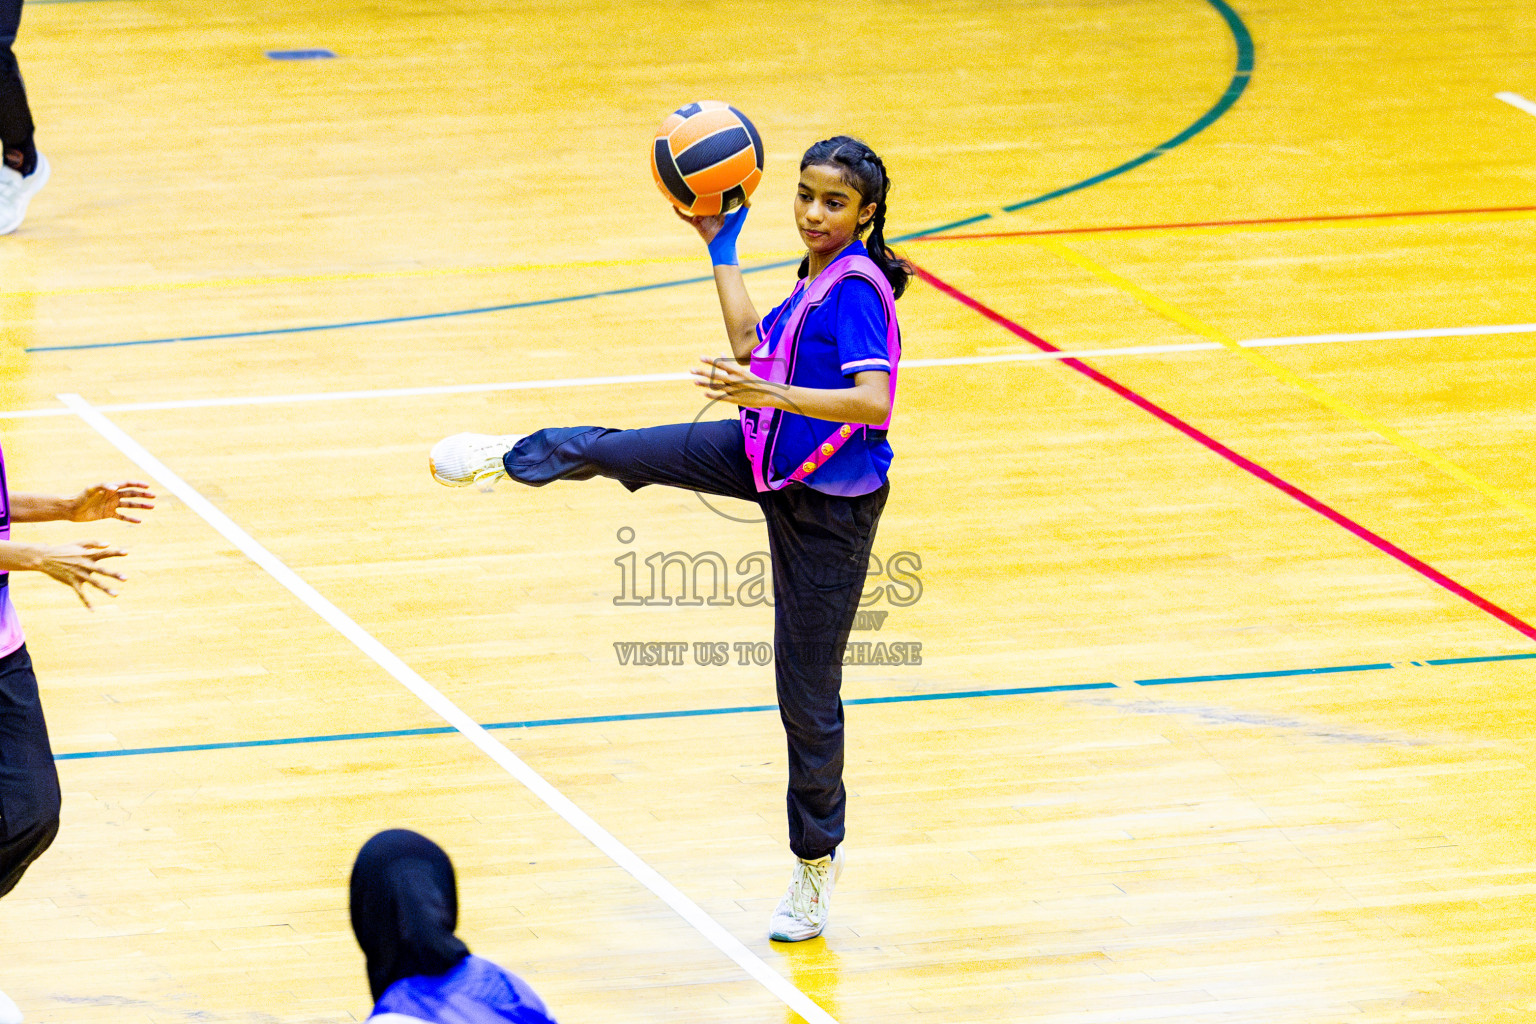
(843, 335)
(475, 992)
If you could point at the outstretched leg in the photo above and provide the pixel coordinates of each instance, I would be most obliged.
(707, 456)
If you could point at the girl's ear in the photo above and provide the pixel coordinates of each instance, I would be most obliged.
(867, 214)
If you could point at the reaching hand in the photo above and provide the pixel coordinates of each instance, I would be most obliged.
(107, 501)
(74, 565)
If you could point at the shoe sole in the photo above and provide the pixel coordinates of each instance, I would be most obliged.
(492, 476)
(486, 475)
(431, 465)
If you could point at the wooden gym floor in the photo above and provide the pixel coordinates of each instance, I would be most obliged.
(1224, 704)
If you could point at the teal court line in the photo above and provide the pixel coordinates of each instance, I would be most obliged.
(646, 716)
(1241, 38)
(1235, 89)
(540, 723)
(1272, 675)
(1477, 661)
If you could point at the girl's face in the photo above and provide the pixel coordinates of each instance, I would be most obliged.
(827, 209)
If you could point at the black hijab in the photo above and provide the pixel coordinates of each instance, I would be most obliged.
(405, 905)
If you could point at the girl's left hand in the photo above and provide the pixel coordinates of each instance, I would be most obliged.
(725, 380)
(107, 501)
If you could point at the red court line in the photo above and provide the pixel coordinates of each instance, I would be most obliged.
(1219, 223)
(1383, 545)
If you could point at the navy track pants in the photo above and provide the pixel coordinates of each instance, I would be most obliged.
(819, 545)
(16, 126)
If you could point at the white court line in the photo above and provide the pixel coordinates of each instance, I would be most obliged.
(1428, 332)
(1514, 99)
(341, 396)
(646, 378)
(450, 712)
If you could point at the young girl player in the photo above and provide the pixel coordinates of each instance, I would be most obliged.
(29, 784)
(809, 448)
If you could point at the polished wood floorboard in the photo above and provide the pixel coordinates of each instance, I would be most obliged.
(1179, 821)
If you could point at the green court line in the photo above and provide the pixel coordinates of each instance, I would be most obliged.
(1266, 675)
(646, 716)
(1480, 660)
(540, 723)
(1241, 37)
(1235, 88)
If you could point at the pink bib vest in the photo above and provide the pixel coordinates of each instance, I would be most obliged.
(776, 364)
(10, 625)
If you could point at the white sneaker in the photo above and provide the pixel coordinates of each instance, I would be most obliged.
(15, 193)
(802, 913)
(8, 1012)
(465, 459)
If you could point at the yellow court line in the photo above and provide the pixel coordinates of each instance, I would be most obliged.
(1274, 369)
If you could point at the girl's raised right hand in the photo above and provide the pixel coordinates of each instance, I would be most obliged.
(719, 232)
(707, 227)
(74, 565)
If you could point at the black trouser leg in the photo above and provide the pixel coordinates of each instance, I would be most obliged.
(29, 783)
(820, 545)
(16, 126)
(707, 456)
